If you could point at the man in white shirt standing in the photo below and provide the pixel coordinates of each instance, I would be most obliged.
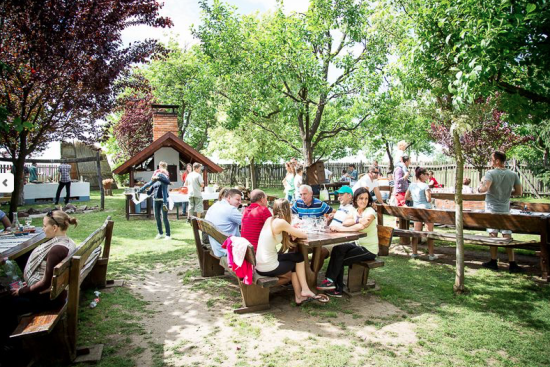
(370, 182)
(195, 183)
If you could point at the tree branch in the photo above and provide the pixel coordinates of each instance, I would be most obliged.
(275, 134)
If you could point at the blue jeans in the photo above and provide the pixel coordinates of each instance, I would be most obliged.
(163, 188)
(161, 213)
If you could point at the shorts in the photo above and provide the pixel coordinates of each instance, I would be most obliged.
(195, 205)
(400, 198)
(287, 263)
(496, 231)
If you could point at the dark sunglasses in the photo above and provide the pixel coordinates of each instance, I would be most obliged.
(377, 172)
(50, 214)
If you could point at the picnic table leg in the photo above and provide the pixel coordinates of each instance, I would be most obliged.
(404, 224)
(127, 207)
(311, 276)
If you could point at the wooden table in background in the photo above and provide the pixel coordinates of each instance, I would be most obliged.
(316, 241)
(21, 247)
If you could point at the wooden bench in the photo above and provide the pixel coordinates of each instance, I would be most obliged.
(475, 221)
(86, 263)
(255, 296)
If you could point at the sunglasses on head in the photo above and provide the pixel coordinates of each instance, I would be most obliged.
(50, 215)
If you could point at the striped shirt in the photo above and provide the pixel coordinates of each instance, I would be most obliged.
(65, 172)
(317, 208)
(341, 214)
(254, 217)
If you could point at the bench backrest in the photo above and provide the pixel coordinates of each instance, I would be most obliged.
(210, 229)
(477, 221)
(61, 273)
(531, 207)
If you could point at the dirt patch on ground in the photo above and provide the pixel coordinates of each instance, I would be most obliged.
(193, 324)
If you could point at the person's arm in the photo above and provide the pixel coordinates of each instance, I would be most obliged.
(6, 221)
(55, 256)
(484, 186)
(201, 180)
(518, 190)
(281, 225)
(359, 225)
(408, 195)
(378, 195)
(236, 216)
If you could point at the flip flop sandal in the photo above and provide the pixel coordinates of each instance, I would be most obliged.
(321, 298)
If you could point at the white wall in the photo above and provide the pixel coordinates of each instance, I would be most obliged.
(170, 156)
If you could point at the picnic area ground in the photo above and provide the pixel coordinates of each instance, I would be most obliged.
(167, 315)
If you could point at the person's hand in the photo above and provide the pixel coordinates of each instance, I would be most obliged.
(334, 229)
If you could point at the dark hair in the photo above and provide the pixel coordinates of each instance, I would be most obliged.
(500, 156)
(405, 158)
(419, 171)
(196, 165)
(357, 193)
(344, 171)
(299, 169)
(351, 165)
(466, 181)
(233, 192)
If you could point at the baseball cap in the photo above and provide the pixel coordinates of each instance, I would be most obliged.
(345, 190)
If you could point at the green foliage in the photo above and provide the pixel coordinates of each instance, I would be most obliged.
(273, 71)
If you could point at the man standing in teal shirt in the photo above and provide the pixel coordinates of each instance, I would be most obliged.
(499, 184)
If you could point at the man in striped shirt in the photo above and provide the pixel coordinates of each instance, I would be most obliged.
(308, 206)
(254, 217)
(345, 197)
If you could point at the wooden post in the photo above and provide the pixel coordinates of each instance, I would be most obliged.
(101, 189)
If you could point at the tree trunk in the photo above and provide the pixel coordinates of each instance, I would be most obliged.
(253, 183)
(459, 222)
(480, 174)
(100, 179)
(19, 177)
(390, 157)
(307, 151)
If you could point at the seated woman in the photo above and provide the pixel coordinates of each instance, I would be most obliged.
(363, 219)
(421, 196)
(33, 296)
(277, 230)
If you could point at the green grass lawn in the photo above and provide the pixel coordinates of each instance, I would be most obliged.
(503, 320)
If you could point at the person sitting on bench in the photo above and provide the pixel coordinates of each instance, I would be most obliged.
(277, 230)
(421, 196)
(33, 295)
(362, 219)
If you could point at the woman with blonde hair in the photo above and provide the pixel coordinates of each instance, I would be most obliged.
(288, 181)
(277, 230)
(33, 295)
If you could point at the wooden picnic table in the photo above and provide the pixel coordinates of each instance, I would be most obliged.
(451, 196)
(316, 241)
(19, 248)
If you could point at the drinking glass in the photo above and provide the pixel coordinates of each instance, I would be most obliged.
(28, 221)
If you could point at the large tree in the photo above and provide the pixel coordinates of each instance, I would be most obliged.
(307, 80)
(62, 60)
(461, 51)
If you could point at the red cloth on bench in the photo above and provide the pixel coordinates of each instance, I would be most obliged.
(246, 270)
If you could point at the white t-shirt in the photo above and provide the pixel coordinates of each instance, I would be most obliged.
(194, 181)
(365, 181)
(341, 214)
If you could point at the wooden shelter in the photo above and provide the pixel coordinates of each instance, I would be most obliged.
(168, 147)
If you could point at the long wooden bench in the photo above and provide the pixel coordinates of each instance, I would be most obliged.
(358, 273)
(255, 296)
(87, 263)
(524, 224)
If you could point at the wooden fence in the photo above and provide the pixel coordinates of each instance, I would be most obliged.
(271, 175)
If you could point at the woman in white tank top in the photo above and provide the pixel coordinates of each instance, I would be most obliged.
(277, 230)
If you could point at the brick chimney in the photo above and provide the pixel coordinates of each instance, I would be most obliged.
(165, 119)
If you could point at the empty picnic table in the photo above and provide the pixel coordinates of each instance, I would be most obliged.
(316, 241)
